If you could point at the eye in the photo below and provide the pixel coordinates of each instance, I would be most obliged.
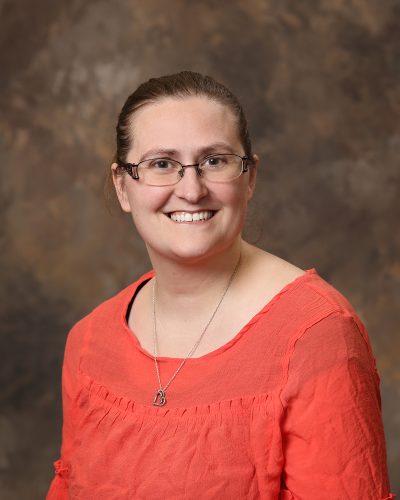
(215, 161)
(162, 164)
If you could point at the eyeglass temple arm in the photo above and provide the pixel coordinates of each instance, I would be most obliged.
(246, 162)
(131, 168)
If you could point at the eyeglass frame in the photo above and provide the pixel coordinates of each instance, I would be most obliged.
(133, 168)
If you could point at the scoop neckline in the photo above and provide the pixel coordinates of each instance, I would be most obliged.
(219, 350)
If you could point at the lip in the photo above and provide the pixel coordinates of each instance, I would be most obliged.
(168, 214)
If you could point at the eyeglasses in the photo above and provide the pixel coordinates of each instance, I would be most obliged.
(166, 172)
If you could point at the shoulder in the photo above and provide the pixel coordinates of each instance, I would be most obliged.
(304, 290)
(331, 333)
(310, 307)
(326, 316)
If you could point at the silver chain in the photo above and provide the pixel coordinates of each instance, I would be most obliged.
(161, 391)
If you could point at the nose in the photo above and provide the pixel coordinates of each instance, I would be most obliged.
(191, 187)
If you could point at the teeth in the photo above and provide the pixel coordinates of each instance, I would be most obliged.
(190, 217)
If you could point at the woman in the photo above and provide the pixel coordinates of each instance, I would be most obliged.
(226, 372)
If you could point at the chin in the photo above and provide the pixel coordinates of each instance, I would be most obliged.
(192, 253)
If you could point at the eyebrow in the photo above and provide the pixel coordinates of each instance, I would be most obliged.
(217, 147)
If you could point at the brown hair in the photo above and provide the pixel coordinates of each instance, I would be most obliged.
(180, 85)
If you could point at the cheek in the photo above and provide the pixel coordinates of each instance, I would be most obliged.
(236, 196)
(145, 198)
(145, 203)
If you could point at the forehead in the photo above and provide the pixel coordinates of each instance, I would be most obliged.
(183, 124)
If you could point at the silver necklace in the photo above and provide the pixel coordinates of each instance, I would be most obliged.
(160, 398)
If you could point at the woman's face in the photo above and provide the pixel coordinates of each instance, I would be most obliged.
(186, 130)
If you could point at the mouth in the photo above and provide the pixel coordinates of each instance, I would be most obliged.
(200, 216)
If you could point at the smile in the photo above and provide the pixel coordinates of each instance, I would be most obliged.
(191, 216)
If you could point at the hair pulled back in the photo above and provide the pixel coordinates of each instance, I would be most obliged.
(178, 85)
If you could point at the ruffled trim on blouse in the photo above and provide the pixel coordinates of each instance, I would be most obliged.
(60, 469)
(242, 405)
(59, 486)
(288, 495)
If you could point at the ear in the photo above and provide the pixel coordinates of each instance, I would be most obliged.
(252, 177)
(120, 188)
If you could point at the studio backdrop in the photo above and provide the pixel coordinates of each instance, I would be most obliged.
(320, 83)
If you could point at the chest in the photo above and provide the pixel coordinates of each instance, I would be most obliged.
(177, 334)
(177, 338)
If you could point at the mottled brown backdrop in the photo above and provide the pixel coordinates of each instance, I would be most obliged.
(320, 80)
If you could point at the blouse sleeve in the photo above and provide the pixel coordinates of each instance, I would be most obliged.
(333, 437)
(70, 375)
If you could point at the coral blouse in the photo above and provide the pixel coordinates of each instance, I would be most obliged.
(288, 409)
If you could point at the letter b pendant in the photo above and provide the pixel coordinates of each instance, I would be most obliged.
(160, 398)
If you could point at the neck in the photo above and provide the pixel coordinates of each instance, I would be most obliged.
(188, 284)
